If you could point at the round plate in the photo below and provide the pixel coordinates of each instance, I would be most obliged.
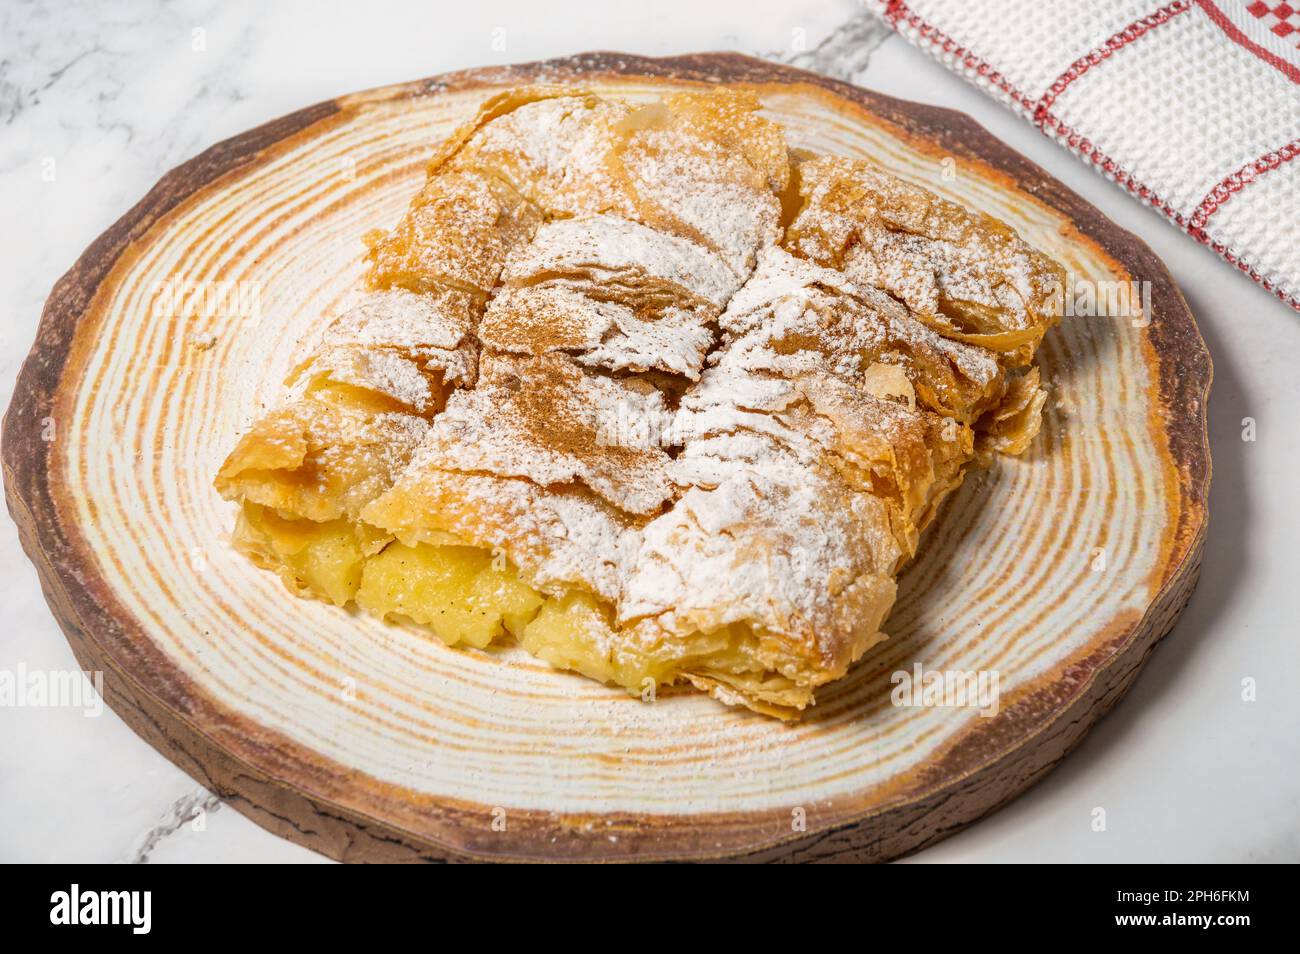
(1057, 572)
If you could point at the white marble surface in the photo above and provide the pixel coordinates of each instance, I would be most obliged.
(115, 94)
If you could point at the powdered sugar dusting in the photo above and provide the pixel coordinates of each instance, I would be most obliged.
(659, 397)
(620, 251)
(889, 234)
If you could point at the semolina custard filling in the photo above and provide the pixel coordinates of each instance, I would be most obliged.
(469, 597)
(462, 594)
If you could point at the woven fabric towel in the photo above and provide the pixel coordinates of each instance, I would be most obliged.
(1193, 106)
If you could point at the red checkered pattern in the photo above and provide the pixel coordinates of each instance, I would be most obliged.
(1281, 19)
(1192, 106)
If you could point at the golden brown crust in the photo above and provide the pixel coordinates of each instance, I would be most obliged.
(320, 459)
(744, 527)
(963, 272)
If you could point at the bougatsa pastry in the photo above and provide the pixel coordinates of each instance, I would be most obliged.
(653, 395)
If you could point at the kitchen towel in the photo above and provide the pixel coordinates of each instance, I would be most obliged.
(1192, 106)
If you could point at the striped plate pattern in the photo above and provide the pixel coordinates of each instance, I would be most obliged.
(1036, 566)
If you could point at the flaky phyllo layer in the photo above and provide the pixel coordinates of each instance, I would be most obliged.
(649, 393)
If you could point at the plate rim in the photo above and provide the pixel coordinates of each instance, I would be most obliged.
(187, 726)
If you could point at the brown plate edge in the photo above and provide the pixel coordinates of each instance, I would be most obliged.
(166, 712)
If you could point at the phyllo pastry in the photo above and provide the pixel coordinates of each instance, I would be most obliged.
(647, 392)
